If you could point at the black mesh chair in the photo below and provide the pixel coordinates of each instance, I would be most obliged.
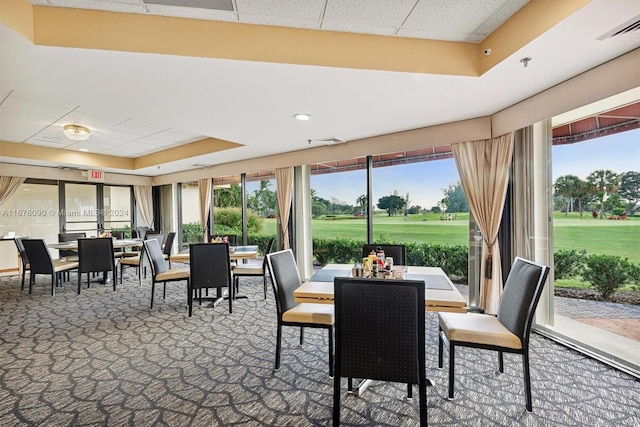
(141, 232)
(118, 252)
(159, 271)
(285, 279)
(69, 237)
(209, 269)
(253, 270)
(96, 256)
(397, 252)
(380, 334)
(167, 246)
(40, 262)
(506, 333)
(137, 261)
(24, 259)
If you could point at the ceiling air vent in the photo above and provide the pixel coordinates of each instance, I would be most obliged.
(226, 5)
(332, 140)
(628, 31)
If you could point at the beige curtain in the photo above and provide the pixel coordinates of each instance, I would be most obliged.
(522, 194)
(8, 186)
(284, 179)
(144, 201)
(484, 172)
(204, 191)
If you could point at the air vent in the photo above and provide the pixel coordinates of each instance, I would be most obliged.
(226, 5)
(332, 140)
(629, 31)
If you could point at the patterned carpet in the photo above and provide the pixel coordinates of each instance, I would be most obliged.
(105, 359)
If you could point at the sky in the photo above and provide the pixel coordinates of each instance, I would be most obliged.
(425, 181)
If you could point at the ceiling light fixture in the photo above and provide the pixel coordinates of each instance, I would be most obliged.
(76, 132)
(302, 116)
(83, 150)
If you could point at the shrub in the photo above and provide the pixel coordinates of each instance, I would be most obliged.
(568, 263)
(607, 273)
(229, 221)
(191, 232)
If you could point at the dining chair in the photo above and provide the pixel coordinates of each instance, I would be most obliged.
(253, 270)
(69, 237)
(209, 268)
(24, 259)
(95, 255)
(159, 271)
(137, 261)
(284, 280)
(40, 262)
(397, 252)
(167, 246)
(508, 332)
(118, 252)
(380, 335)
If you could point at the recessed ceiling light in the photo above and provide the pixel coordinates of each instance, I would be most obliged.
(302, 116)
(83, 149)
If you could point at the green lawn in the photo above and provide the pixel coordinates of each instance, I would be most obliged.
(596, 236)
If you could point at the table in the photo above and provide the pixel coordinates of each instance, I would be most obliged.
(241, 252)
(440, 293)
(117, 243)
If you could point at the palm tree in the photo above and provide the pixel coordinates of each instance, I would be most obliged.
(362, 201)
(604, 182)
(567, 186)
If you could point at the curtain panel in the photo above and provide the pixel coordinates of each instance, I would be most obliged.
(522, 195)
(204, 193)
(484, 172)
(144, 201)
(284, 179)
(8, 186)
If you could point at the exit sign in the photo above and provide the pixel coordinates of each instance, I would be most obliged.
(95, 176)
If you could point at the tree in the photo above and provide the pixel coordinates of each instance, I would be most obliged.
(362, 201)
(319, 206)
(603, 183)
(263, 200)
(228, 197)
(630, 189)
(568, 187)
(454, 198)
(392, 204)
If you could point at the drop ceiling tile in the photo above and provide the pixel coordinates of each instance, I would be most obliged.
(36, 107)
(501, 16)
(358, 28)
(17, 126)
(135, 127)
(193, 13)
(305, 10)
(88, 119)
(112, 6)
(279, 21)
(370, 13)
(433, 35)
(175, 135)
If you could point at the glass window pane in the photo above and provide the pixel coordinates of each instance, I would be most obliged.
(262, 202)
(191, 227)
(81, 208)
(117, 208)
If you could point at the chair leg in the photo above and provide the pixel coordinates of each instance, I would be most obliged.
(264, 283)
(349, 383)
(423, 405)
(54, 283)
(231, 296)
(452, 352)
(527, 379)
(153, 291)
(190, 298)
(500, 362)
(440, 347)
(336, 397)
(23, 274)
(80, 282)
(278, 345)
(115, 277)
(409, 391)
(164, 290)
(331, 363)
(121, 272)
(32, 280)
(301, 335)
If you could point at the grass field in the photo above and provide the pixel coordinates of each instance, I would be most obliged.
(596, 236)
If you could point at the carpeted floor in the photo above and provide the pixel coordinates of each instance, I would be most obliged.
(105, 359)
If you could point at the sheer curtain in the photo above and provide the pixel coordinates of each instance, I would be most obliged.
(484, 172)
(144, 201)
(204, 192)
(8, 186)
(522, 194)
(284, 178)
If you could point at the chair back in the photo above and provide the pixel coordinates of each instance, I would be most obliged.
(285, 278)
(119, 234)
(23, 254)
(69, 237)
(209, 265)
(154, 255)
(270, 245)
(397, 252)
(520, 296)
(168, 243)
(40, 261)
(95, 254)
(380, 331)
(155, 235)
(141, 232)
